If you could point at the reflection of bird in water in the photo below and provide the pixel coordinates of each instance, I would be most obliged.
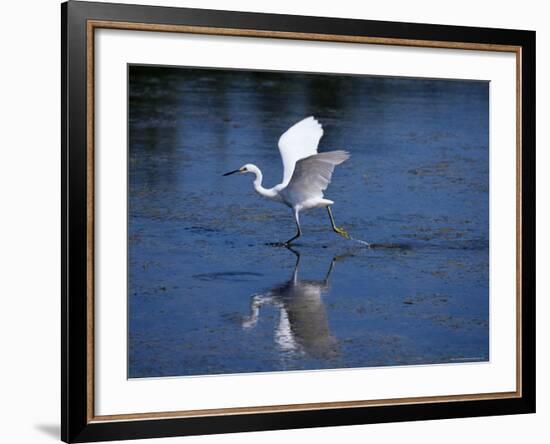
(303, 324)
(306, 173)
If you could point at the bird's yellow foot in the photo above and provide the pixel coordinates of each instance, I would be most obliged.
(342, 232)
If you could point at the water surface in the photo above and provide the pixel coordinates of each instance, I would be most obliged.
(207, 295)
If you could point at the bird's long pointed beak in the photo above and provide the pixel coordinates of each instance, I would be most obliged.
(231, 172)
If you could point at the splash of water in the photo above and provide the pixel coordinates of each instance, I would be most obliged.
(362, 242)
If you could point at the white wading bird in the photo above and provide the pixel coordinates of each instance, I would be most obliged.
(306, 172)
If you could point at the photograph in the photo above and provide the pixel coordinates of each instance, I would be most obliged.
(298, 221)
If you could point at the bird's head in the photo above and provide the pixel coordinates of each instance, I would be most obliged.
(248, 168)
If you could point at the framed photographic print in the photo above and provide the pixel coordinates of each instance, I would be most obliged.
(277, 221)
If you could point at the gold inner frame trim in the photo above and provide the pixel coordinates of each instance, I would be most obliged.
(96, 24)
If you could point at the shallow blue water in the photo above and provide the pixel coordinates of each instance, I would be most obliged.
(208, 296)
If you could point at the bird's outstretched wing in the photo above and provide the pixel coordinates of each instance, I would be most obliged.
(313, 174)
(299, 141)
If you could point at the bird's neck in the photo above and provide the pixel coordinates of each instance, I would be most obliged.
(270, 193)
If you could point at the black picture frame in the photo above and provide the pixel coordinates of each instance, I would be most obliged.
(76, 423)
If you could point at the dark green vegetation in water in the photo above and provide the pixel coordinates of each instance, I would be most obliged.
(208, 296)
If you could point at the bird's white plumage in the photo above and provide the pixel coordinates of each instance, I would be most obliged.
(312, 175)
(306, 173)
(299, 141)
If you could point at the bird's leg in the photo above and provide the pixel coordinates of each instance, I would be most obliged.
(298, 234)
(332, 263)
(336, 229)
(329, 272)
(296, 266)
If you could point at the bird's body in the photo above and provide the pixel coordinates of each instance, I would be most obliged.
(307, 173)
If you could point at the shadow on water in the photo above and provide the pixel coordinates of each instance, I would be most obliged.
(303, 326)
(235, 276)
(391, 246)
(360, 244)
